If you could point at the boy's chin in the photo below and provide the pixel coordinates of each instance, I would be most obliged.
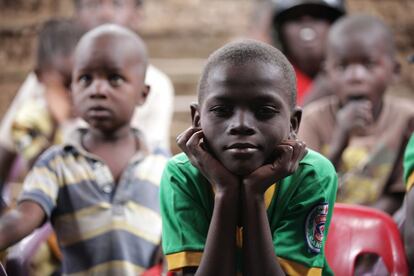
(242, 171)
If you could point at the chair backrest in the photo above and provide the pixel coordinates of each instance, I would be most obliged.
(356, 230)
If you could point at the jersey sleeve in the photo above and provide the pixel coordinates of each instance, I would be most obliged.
(42, 183)
(409, 164)
(300, 233)
(186, 212)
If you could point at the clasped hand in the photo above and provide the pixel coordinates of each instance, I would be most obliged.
(287, 155)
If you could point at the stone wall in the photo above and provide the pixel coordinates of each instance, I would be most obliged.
(180, 34)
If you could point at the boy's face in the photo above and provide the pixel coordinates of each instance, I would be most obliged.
(56, 80)
(93, 13)
(245, 113)
(304, 38)
(361, 67)
(108, 82)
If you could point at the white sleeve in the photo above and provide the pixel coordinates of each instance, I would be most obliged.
(154, 117)
(30, 89)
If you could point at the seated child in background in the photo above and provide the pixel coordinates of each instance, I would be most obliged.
(245, 194)
(100, 188)
(38, 122)
(360, 129)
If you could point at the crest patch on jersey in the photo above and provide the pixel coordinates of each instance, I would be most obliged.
(315, 227)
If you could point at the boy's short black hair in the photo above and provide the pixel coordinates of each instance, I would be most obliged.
(78, 2)
(364, 25)
(57, 38)
(243, 51)
(284, 10)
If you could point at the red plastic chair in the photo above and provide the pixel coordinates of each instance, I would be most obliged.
(356, 230)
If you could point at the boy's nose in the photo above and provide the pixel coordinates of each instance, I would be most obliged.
(106, 11)
(99, 89)
(355, 72)
(242, 123)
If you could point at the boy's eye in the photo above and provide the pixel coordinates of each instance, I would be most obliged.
(369, 64)
(89, 4)
(341, 66)
(85, 80)
(116, 80)
(118, 3)
(266, 112)
(221, 110)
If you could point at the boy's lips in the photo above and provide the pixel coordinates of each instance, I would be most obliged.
(98, 111)
(242, 148)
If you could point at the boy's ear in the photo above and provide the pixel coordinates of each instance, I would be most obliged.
(38, 74)
(195, 115)
(295, 118)
(144, 94)
(397, 69)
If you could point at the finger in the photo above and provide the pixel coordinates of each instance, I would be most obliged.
(297, 154)
(185, 136)
(190, 147)
(194, 142)
(283, 154)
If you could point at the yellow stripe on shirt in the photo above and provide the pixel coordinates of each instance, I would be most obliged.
(269, 195)
(148, 172)
(99, 219)
(180, 260)
(294, 268)
(112, 268)
(410, 181)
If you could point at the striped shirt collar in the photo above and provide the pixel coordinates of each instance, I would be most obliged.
(73, 142)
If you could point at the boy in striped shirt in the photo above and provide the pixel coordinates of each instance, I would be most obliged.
(100, 188)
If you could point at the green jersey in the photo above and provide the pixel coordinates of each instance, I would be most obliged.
(299, 210)
(409, 163)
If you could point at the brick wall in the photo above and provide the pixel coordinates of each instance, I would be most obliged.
(180, 34)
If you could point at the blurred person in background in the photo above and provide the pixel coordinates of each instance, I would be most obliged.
(361, 128)
(155, 115)
(40, 122)
(299, 28)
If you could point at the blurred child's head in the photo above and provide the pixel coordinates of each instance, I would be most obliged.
(301, 26)
(247, 104)
(361, 59)
(57, 40)
(93, 13)
(108, 77)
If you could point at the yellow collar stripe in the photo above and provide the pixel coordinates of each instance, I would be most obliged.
(269, 195)
(410, 181)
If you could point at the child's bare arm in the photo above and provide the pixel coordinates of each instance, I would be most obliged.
(219, 256)
(259, 257)
(20, 222)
